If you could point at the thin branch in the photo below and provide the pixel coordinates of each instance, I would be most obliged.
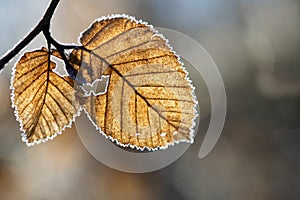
(61, 48)
(42, 25)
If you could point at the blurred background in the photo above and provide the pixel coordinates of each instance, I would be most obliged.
(255, 44)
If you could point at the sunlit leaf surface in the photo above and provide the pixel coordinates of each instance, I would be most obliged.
(149, 100)
(44, 102)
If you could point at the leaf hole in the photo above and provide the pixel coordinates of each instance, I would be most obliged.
(97, 87)
(60, 66)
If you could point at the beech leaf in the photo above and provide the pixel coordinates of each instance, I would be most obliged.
(149, 101)
(44, 102)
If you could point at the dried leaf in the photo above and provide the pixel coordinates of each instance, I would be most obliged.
(44, 102)
(149, 101)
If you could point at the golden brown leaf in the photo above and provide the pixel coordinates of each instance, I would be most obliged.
(149, 100)
(44, 102)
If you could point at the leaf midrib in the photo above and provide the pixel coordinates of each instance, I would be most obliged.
(136, 92)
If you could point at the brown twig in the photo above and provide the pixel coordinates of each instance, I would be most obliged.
(43, 25)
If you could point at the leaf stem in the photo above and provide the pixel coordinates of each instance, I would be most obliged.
(61, 50)
(42, 25)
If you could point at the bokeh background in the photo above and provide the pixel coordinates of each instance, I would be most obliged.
(255, 44)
